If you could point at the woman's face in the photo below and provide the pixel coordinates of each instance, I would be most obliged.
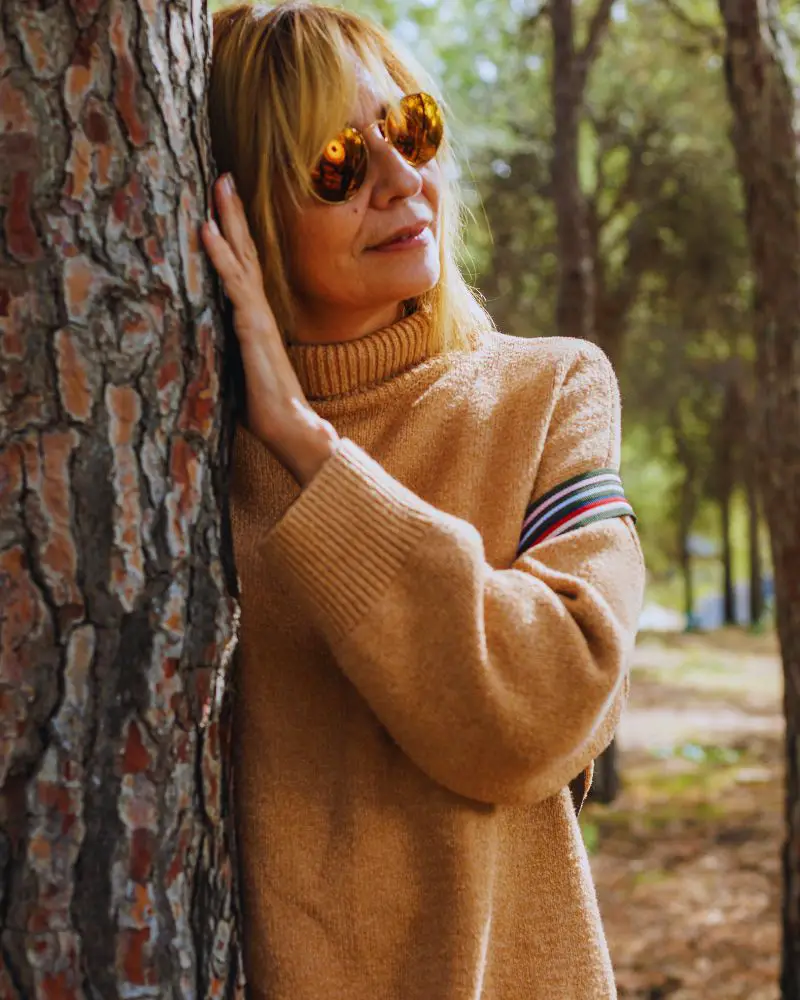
(341, 257)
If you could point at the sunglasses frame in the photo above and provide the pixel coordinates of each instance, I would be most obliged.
(381, 123)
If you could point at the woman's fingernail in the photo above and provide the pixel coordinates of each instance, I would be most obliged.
(228, 184)
(213, 227)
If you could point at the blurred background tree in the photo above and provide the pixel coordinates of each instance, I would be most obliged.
(764, 90)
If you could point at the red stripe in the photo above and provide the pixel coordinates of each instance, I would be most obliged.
(580, 510)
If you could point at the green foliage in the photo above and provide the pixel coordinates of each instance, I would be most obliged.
(591, 834)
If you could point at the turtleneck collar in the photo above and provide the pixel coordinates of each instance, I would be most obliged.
(327, 370)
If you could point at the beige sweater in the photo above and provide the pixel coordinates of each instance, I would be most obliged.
(413, 695)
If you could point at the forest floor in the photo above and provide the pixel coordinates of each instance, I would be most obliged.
(687, 860)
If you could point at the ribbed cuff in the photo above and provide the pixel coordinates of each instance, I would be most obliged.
(346, 536)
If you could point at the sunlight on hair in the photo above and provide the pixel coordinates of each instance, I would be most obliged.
(284, 80)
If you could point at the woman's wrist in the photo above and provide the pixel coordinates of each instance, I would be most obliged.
(303, 443)
(313, 451)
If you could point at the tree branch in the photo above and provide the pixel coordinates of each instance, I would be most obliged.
(706, 30)
(597, 28)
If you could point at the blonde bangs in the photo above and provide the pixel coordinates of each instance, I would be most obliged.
(319, 101)
(284, 81)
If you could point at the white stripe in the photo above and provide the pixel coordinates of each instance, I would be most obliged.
(565, 503)
(623, 507)
(601, 478)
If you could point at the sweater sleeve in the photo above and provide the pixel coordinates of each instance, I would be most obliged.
(500, 684)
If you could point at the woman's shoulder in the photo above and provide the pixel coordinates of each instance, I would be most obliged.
(541, 350)
(545, 361)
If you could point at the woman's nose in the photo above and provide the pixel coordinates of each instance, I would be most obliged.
(395, 177)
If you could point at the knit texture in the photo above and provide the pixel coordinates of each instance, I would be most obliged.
(413, 696)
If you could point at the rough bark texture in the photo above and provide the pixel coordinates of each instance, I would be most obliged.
(116, 624)
(766, 137)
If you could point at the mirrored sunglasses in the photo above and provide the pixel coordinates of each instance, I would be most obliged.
(415, 131)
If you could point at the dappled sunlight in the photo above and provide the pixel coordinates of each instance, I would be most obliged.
(686, 861)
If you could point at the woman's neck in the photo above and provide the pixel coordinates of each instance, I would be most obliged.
(326, 326)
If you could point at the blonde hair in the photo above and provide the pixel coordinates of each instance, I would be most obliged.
(283, 81)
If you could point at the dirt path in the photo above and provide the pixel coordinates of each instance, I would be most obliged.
(686, 862)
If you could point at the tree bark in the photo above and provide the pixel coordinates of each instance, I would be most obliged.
(754, 546)
(117, 586)
(728, 595)
(750, 439)
(575, 294)
(765, 136)
(686, 569)
(726, 477)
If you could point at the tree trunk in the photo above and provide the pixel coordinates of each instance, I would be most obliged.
(765, 138)
(575, 295)
(751, 470)
(688, 582)
(685, 518)
(726, 477)
(754, 544)
(728, 595)
(117, 587)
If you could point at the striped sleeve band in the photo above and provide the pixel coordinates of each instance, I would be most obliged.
(592, 496)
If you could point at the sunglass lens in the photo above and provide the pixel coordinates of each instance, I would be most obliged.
(417, 133)
(341, 168)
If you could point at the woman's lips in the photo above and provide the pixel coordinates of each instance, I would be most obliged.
(408, 242)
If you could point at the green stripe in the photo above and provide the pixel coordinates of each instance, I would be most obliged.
(595, 516)
(600, 515)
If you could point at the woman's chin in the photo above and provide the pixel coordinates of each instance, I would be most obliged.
(406, 282)
(402, 293)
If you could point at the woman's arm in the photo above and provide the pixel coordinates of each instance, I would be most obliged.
(500, 684)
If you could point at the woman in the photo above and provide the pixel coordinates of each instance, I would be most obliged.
(440, 575)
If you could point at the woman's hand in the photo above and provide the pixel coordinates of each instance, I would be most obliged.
(278, 412)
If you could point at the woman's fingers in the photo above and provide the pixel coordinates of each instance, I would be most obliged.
(223, 258)
(235, 259)
(252, 314)
(234, 222)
